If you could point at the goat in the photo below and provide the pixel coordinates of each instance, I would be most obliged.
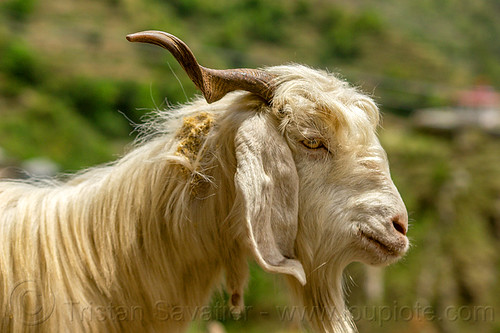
(288, 171)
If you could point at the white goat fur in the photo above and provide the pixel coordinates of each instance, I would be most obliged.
(157, 225)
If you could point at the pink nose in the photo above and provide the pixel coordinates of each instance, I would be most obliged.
(400, 223)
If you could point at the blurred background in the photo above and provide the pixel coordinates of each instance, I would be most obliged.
(71, 87)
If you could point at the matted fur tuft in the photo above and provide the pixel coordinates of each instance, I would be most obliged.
(139, 244)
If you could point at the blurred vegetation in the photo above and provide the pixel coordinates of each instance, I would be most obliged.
(71, 85)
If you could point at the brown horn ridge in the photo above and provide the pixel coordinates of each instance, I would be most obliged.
(213, 83)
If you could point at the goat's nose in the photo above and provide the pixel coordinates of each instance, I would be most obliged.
(400, 223)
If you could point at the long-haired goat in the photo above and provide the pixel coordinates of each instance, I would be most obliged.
(288, 171)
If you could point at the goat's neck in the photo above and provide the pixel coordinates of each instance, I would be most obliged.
(153, 247)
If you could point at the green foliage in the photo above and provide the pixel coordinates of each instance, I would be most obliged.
(96, 100)
(450, 186)
(20, 63)
(265, 19)
(59, 133)
(249, 19)
(342, 33)
(130, 97)
(303, 9)
(18, 10)
(89, 96)
(185, 7)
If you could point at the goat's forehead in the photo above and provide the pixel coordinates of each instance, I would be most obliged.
(318, 92)
(332, 114)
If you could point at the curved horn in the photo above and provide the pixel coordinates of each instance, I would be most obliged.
(213, 83)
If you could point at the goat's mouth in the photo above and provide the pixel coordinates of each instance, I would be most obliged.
(388, 248)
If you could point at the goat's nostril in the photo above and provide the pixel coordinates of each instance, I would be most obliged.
(399, 226)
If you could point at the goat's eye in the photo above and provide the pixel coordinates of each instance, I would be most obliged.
(313, 144)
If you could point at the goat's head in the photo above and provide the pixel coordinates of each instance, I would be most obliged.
(348, 202)
(311, 174)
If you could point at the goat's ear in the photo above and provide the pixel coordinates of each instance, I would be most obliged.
(267, 188)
